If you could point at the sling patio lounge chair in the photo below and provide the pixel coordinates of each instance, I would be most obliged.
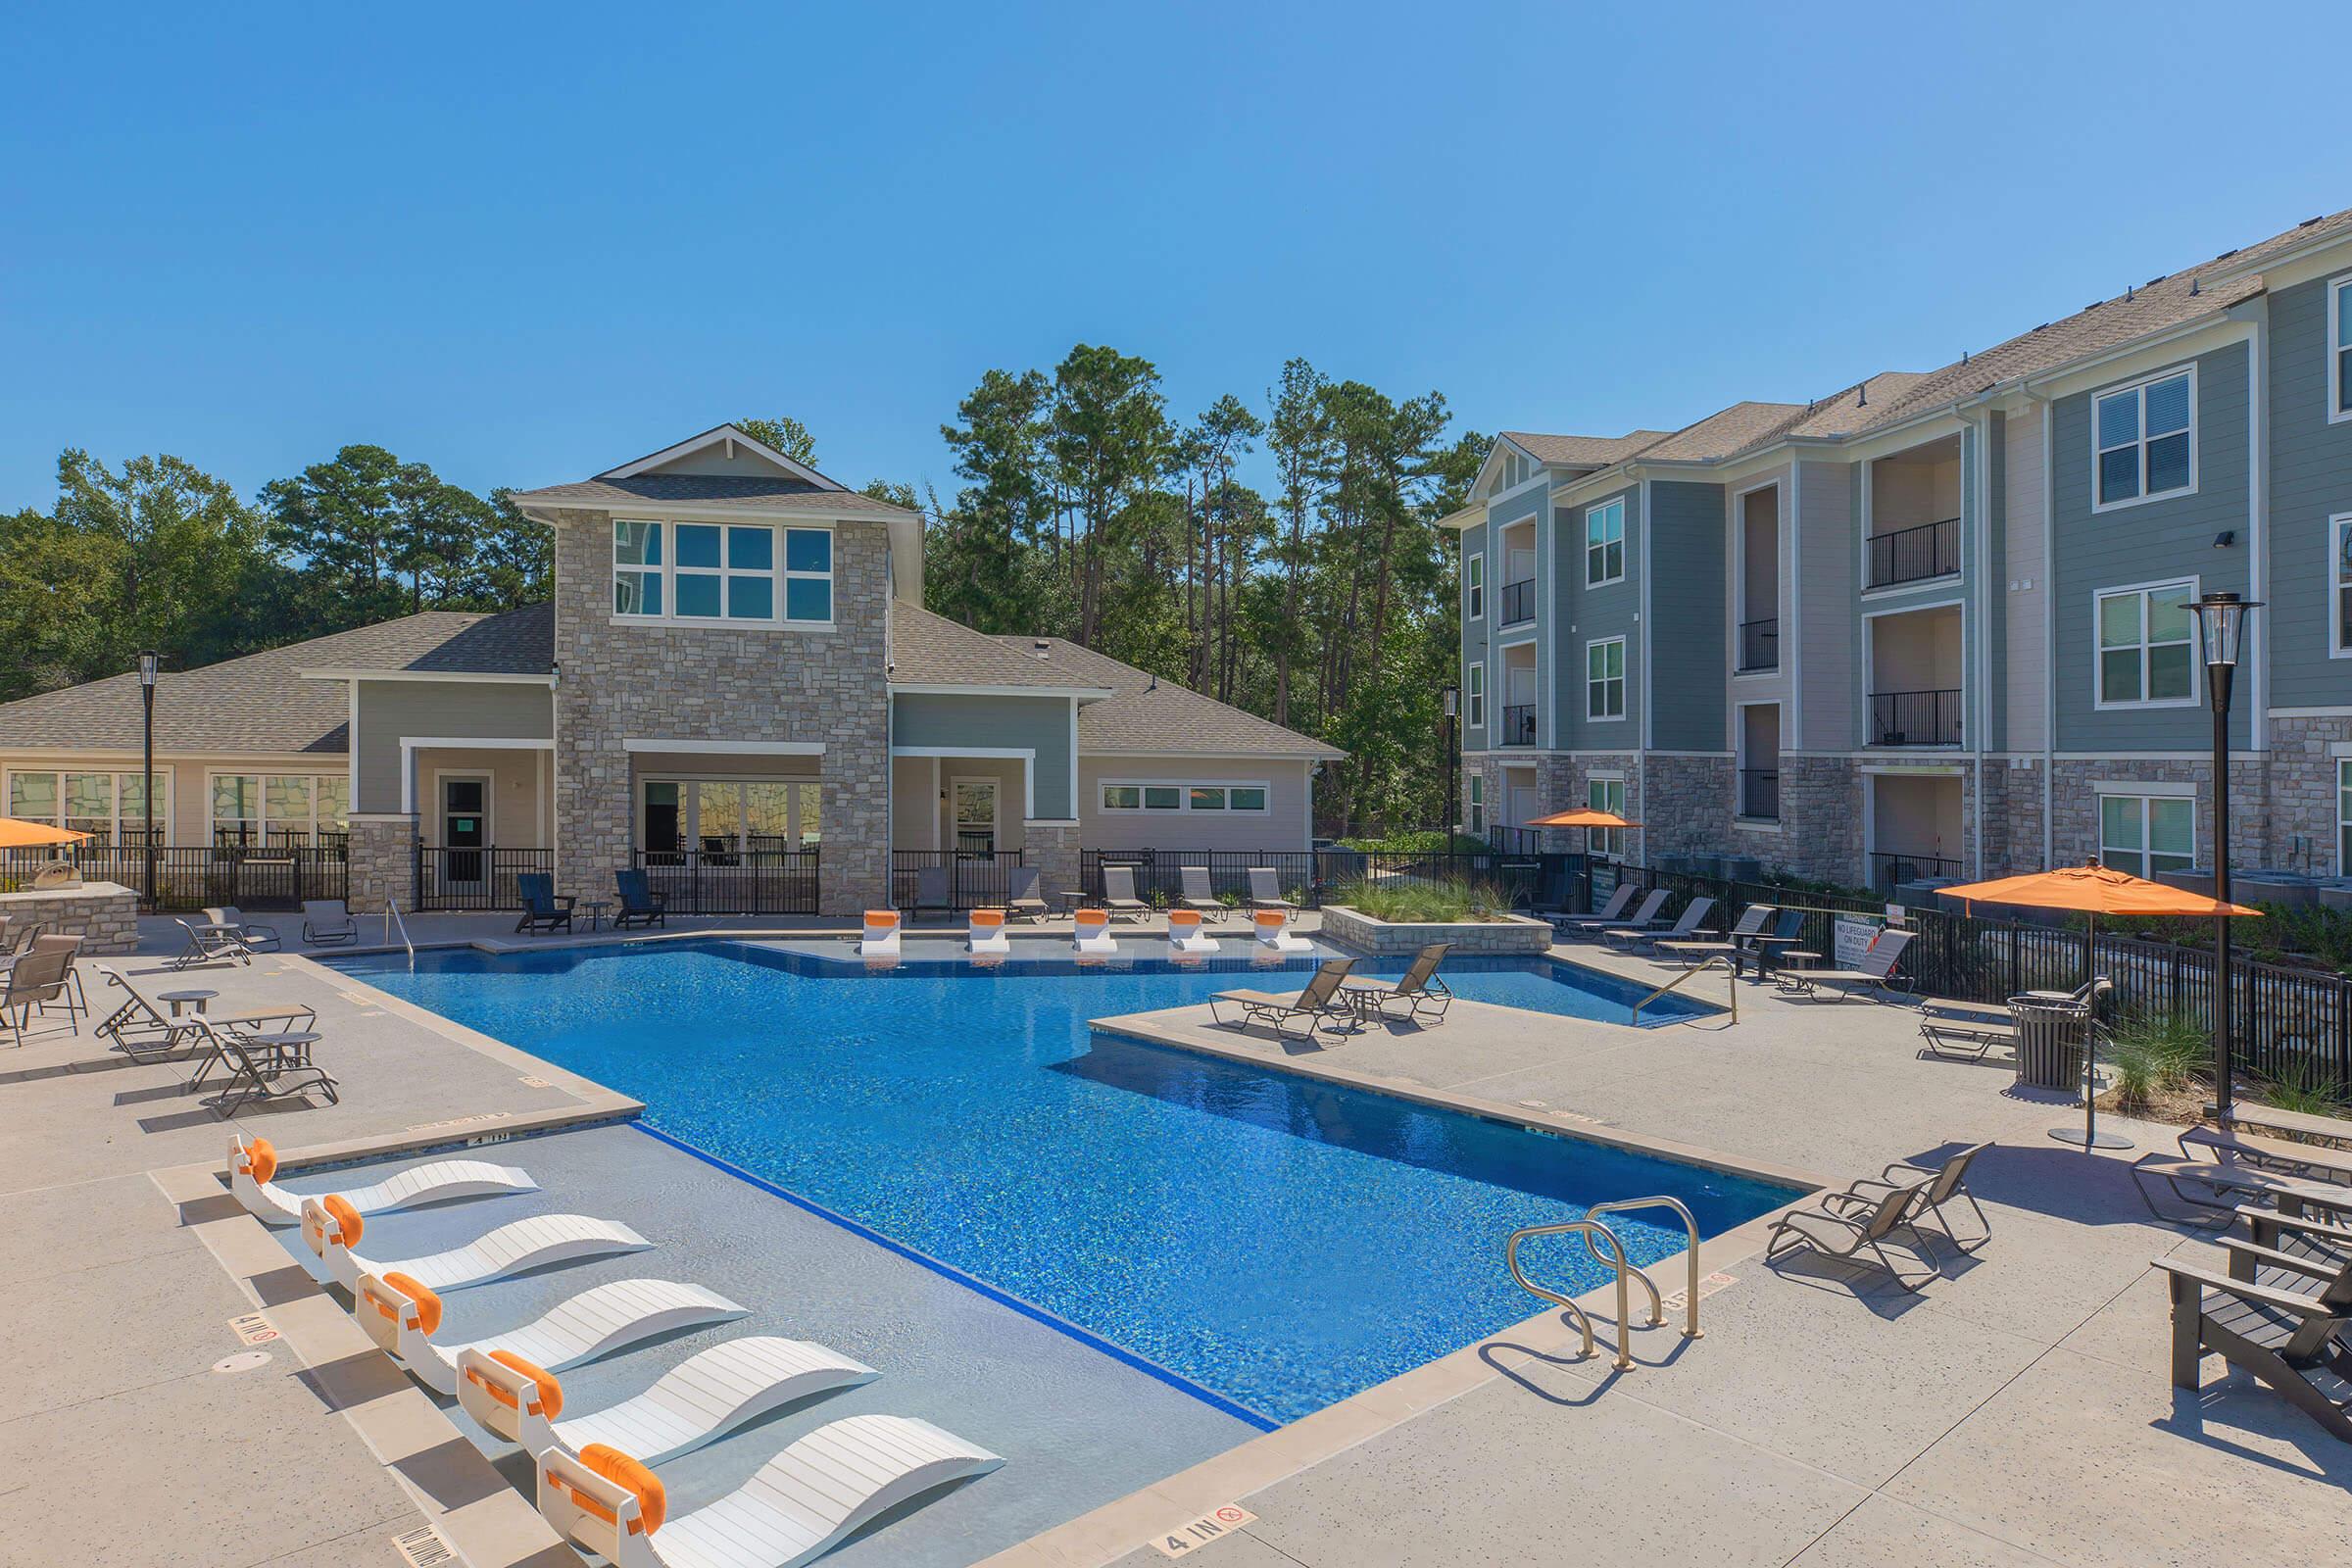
(2224, 1188)
(1022, 901)
(258, 1070)
(933, 893)
(208, 943)
(328, 922)
(1322, 1006)
(2276, 1316)
(2311, 1162)
(257, 938)
(34, 983)
(1842, 1231)
(139, 1027)
(1643, 916)
(1118, 894)
(1425, 996)
(1686, 926)
(1945, 1181)
(1878, 975)
(640, 904)
(1736, 943)
(1198, 894)
(1265, 890)
(403, 1317)
(543, 909)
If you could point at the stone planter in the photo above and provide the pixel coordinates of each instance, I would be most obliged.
(1514, 933)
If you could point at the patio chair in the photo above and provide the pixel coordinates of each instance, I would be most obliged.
(2304, 1162)
(697, 1402)
(257, 937)
(251, 1161)
(1608, 914)
(1693, 915)
(543, 909)
(1266, 891)
(138, 1027)
(328, 922)
(402, 1316)
(1022, 901)
(1645, 915)
(1317, 1006)
(258, 1072)
(2227, 1186)
(2255, 1318)
(31, 984)
(1945, 1182)
(207, 945)
(1788, 930)
(1739, 940)
(931, 891)
(1878, 975)
(1118, 894)
(1971, 1031)
(1198, 894)
(331, 1228)
(1847, 1233)
(640, 904)
(76, 1000)
(830, 1484)
(1419, 989)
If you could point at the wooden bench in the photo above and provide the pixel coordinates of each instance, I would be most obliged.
(2269, 1118)
(2307, 1160)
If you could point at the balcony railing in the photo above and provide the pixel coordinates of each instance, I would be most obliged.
(1518, 602)
(1891, 869)
(1915, 718)
(1908, 555)
(1760, 792)
(1759, 646)
(1518, 724)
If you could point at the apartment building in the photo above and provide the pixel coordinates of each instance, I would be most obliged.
(1933, 624)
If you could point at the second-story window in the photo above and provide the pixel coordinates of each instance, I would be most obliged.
(1477, 705)
(1604, 679)
(1474, 587)
(2339, 348)
(2145, 645)
(722, 572)
(1604, 544)
(2145, 440)
(2340, 529)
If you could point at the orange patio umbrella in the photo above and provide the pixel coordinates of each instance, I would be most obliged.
(1581, 816)
(2094, 890)
(18, 834)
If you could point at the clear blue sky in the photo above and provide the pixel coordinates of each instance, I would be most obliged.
(523, 244)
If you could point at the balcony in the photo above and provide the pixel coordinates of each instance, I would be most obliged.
(1914, 555)
(1518, 726)
(1518, 602)
(1759, 646)
(1760, 794)
(1915, 718)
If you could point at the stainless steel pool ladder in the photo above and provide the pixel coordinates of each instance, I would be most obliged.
(392, 919)
(1699, 967)
(1591, 1228)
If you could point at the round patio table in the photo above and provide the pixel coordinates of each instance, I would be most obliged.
(177, 999)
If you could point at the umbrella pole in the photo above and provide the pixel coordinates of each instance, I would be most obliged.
(2090, 1137)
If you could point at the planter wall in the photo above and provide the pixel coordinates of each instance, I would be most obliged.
(1387, 938)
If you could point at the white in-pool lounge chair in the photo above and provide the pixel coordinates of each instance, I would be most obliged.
(1186, 939)
(696, 1402)
(1274, 931)
(402, 1316)
(881, 939)
(1091, 932)
(331, 1227)
(986, 933)
(253, 1161)
(798, 1507)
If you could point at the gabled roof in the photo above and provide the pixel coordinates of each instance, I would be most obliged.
(1159, 717)
(1720, 434)
(1582, 451)
(725, 491)
(263, 702)
(728, 437)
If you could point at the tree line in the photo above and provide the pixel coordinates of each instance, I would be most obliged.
(1087, 509)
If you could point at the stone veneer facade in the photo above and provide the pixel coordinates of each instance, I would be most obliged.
(1053, 849)
(723, 683)
(381, 857)
(1388, 938)
(104, 914)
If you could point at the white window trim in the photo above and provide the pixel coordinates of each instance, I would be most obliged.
(162, 813)
(1612, 839)
(211, 822)
(1474, 797)
(2343, 817)
(779, 574)
(1184, 788)
(2139, 387)
(2339, 583)
(1474, 696)
(1591, 513)
(1474, 586)
(1624, 679)
(2098, 669)
(2145, 794)
(2338, 287)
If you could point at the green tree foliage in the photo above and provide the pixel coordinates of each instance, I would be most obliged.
(786, 434)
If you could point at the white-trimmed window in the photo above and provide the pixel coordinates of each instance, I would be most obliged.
(1476, 708)
(279, 808)
(1224, 797)
(1474, 587)
(2340, 581)
(1605, 678)
(2343, 817)
(1478, 803)
(2146, 653)
(110, 808)
(1604, 544)
(2144, 440)
(711, 571)
(729, 820)
(2144, 834)
(1606, 793)
(2339, 347)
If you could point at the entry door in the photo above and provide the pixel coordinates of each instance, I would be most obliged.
(974, 802)
(465, 829)
(1519, 803)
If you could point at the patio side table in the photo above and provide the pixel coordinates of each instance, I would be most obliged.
(596, 908)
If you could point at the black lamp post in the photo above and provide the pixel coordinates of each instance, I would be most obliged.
(2221, 630)
(148, 661)
(1454, 769)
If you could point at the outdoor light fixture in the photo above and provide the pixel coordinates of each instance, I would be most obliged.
(2221, 634)
(555, 672)
(1453, 766)
(149, 662)
(147, 666)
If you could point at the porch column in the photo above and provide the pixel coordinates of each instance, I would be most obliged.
(1052, 845)
(382, 855)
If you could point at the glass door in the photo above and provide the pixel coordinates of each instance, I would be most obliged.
(465, 829)
(974, 802)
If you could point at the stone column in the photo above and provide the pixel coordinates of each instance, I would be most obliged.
(1052, 847)
(383, 852)
(852, 865)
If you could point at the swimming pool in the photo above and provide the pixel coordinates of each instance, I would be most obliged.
(1276, 1241)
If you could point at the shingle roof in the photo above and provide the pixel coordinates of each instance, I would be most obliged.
(710, 490)
(1159, 717)
(1582, 451)
(1720, 434)
(261, 703)
(927, 649)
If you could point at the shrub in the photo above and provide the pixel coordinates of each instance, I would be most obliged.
(2304, 1087)
(2172, 1046)
(1431, 841)
(1411, 900)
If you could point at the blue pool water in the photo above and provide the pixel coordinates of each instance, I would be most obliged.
(1277, 1241)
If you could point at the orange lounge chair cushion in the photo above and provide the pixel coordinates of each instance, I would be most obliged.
(652, 1502)
(261, 1160)
(427, 1299)
(551, 1391)
(884, 917)
(1269, 916)
(348, 1224)
(988, 917)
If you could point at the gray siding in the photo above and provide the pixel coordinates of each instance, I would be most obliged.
(1686, 652)
(930, 719)
(1987, 590)
(1829, 643)
(390, 710)
(1588, 615)
(2311, 480)
(1475, 635)
(2152, 542)
(1287, 823)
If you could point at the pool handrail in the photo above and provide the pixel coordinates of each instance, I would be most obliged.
(392, 919)
(1700, 967)
(1657, 1303)
(1588, 1229)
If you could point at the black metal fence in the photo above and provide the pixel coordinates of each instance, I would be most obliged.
(1518, 724)
(1891, 869)
(1759, 645)
(1525, 879)
(732, 881)
(1760, 792)
(974, 878)
(474, 879)
(1909, 554)
(1915, 718)
(254, 876)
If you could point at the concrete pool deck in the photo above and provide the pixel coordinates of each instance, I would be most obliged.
(2017, 1412)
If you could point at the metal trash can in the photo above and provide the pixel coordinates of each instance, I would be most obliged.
(2050, 1035)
